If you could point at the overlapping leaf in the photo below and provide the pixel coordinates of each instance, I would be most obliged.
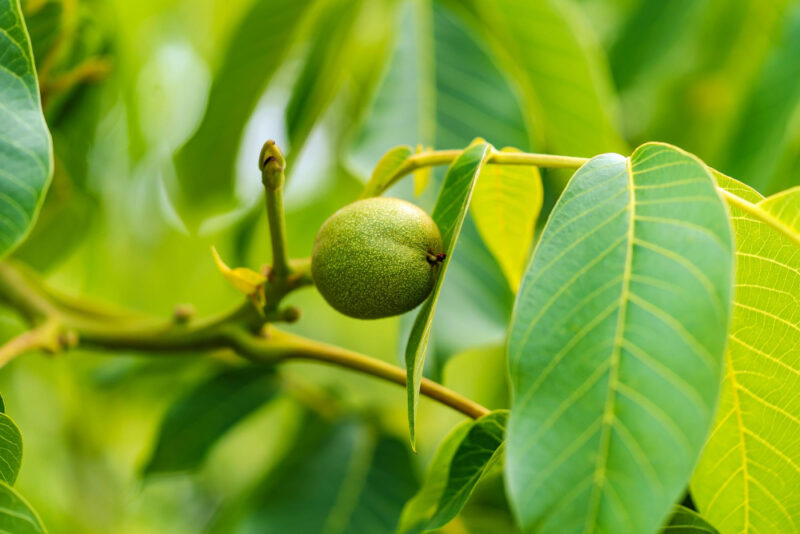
(505, 207)
(748, 477)
(449, 213)
(465, 455)
(616, 348)
(26, 154)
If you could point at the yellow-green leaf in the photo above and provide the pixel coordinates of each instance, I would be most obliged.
(505, 206)
(422, 176)
(748, 478)
(243, 279)
(384, 171)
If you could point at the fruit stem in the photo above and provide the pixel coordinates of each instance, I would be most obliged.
(272, 165)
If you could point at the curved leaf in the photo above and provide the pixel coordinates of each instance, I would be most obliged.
(505, 207)
(448, 213)
(205, 166)
(197, 420)
(26, 152)
(16, 515)
(463, 457)
(385, 169)
(10, 450)
(748, 476)
(686, 521)
(616, 348)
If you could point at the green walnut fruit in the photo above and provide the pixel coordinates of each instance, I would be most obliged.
(377, 257)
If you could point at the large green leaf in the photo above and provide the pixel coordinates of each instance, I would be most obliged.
(616, 347)
(16, 515)
(463, 458)
(26, 153)
(565, 84)
(196, 421)
(449, 212)
(10, 450)
(505, 207)
(341, 479)
(205, 166)
(748, 477)
(686, 521)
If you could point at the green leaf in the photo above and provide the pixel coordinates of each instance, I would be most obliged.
(381, 177)
(341, 479)
(323, 71)
(760, 136)
(505, 207)
(565, 85)
(205, 166)
(10, 450)
(26, 152)
(16, 515)
(747, 478)
(197, 420)
(616, 347)
(686, 521)
(448, 213)
(463, 458)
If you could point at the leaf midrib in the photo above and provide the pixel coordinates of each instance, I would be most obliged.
(608, 412)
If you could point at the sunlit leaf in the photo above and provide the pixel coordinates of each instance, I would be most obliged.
(200, 418)
(10, 450)
(463, 458)
(243, 279)
(746, 479)
(449, 213)
(505, 207)
(16, 515)
(616, 350)
(686, 521)
(26, 153)
(385, 169)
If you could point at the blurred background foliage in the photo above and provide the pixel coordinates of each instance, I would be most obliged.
(158, 109)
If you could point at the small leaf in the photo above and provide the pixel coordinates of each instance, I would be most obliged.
(422, 176)
(16, 515)
(448, 213)
(505, 207)
(10, 450)
(463, 458)
(384, 171)
(686, 521)
(243, 279)
(747, 477)
(616, 350)
(26, 152)
(200, 418)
